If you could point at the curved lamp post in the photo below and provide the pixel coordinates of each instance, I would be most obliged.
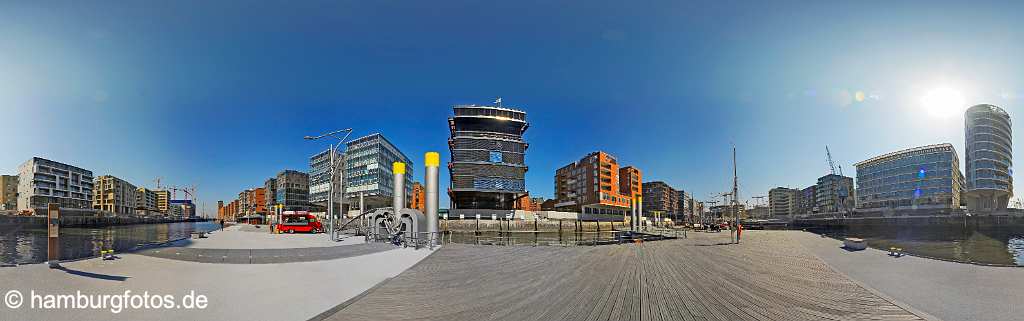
(333, 150)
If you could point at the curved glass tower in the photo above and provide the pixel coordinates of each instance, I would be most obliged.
(989, 183)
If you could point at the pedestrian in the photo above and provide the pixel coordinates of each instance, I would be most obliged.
(739, 232)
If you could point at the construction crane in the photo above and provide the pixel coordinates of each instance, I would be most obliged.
(157, 180)
(840, 191)
(760, 199)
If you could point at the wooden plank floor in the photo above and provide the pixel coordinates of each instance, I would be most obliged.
(768, 277)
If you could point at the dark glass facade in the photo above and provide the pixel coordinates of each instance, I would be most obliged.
(487, 157)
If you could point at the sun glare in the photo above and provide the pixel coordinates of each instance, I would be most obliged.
(944, 102)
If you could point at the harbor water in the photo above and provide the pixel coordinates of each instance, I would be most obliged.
(23, 244)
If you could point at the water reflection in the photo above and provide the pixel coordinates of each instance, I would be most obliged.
(22, 245)
(988, 245)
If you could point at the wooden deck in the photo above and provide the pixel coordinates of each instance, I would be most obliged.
(768, 277)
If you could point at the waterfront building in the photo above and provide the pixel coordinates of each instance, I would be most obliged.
(487, 165)
(220, 210)
(591, 186)
(418, 198)
(659, 196)
(759, 211)
(807, 202)
(915, 178)
(989, 146)
(8, 192)
(536, 204)
(783, 201)
(42, 181)
(270, 192)
(320, 176)
(833, 193)
(684, 204)
(145, 201)
(727, 211)
(548, 205)
(114, 195)
(368, 166)
(293, 190)
(163, 200)
(181, 209)
(631, 182)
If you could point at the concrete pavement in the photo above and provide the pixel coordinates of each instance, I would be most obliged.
(947, 290)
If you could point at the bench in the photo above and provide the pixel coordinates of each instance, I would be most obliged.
(854, 244)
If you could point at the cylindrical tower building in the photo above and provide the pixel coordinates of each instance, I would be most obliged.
(989, 180)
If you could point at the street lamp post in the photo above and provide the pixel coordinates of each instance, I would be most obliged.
(333, 150)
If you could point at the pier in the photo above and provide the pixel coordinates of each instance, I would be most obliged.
(766, 277)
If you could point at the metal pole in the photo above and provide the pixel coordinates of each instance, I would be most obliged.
(398, 199)
(433, 162)
(362, 210)
(330, 192)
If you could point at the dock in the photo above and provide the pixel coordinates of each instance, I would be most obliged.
(703, 277)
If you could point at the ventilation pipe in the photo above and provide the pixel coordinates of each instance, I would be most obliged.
(433, 162)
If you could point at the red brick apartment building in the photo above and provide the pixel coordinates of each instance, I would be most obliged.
(596, 185)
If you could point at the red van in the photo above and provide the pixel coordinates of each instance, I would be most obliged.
(299, 221)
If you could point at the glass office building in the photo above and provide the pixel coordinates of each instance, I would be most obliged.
(989, 151)
(368, 171)
(916, 178)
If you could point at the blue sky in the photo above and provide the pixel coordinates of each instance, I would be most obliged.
(220, 94)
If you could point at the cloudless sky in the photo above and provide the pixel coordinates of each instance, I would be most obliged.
(220, 93)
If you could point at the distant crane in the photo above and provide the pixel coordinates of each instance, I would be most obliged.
(837, 189)
(760, 199)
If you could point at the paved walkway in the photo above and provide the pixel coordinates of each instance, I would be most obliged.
(948, 290)
(291, 291)
(246, 244)
(768, 277)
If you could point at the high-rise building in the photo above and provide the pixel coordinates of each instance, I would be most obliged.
(592, 186)
(834, 193)
(220, 210)
(920, 177)
(418, 198)
(488, 151)
(659, 196)
(42, 181)
(989, 181)
(145, 201)
(783, 201)
(8, 192)
(368, 166)
(292, 190)
(114, 195)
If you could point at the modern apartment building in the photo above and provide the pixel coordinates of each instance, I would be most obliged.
(989, 181)
(591, 186)
(834, 193)
(368, 166)
(783, 201)
(8, 192)
(42, 181)
(270, 192)
(293, 190)
(915, 178)
(163, 200)
(253, 201)
(631, 181)
(418, 198)
(807, 200)
(114, 195)
(659, 196)
(146, 201)
(487, 167)
(687, 206)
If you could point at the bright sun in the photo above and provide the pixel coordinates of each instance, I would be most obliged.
(943, 102)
